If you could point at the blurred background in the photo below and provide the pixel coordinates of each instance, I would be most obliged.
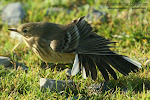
(126, 22)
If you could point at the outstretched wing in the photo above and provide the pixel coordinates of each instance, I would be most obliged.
(95, 44)
(73, 33)
(92, 51)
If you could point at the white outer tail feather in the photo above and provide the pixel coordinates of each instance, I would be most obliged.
(133, 62)
(75, 68)
(83, 72)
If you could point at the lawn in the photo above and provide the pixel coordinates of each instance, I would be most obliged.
(128, 27)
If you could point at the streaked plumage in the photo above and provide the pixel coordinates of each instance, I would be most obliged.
(75, 43)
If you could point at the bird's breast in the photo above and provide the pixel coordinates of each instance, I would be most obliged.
(55, 57)
(48, 55)
(45, 52)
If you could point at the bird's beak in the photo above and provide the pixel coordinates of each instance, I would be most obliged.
(15, 30)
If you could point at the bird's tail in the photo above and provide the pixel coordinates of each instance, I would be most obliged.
(105, 63)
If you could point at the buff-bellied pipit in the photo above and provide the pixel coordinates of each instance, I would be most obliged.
(76, 43)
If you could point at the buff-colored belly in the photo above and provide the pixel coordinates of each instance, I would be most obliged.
(48, 55)
(60, 58)
(55, 57)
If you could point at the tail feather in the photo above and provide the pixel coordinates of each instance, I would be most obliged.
(102, 70)
(75, 68)
(126, 64)
(109, 69)
(115, 65)
(119, 64)
(89, 66)
(83, 72)
(105, 63)
(133, 62)
(84, 64)
(92, 68)
(83, 68)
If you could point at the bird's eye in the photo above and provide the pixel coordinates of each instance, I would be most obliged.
(25, 30)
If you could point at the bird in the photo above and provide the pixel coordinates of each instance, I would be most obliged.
(76, 43)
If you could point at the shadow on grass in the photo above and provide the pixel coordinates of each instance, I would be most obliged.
(130, 83)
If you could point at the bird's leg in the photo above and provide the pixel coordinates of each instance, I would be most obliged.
(46, 65)
(63, 66)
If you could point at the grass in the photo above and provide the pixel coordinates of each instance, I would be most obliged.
(130, 28)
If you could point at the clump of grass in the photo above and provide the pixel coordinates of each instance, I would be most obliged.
(130, 28)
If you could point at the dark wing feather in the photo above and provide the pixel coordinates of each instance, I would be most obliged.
(73, 33)
(96, 48)
(94, 44)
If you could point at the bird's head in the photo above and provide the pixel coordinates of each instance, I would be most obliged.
(26, 30)
(38, 29)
